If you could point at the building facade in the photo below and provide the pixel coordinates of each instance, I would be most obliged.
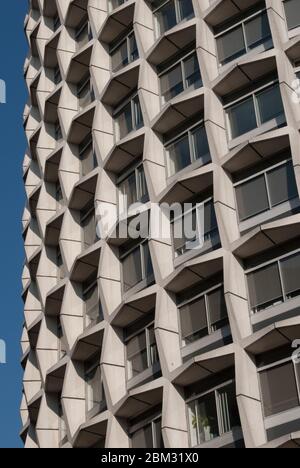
(147, 342)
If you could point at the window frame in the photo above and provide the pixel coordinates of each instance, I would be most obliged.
(186, 302)
(85, 291)
(144, 329)
(145, 280)
(98, 407)
(250, 94)
(179, 20)
(241, 23)
(142, 425)
(84, 23)
(179, 61)
(83, 217)
(120, 110)
(85, 83)
(261, 266)
(263, 172)
(133, 169)
(214, 390)
(206, 201)
(189, 131)
(82, 148)
(125, 37)
(291, 31)
(274, 365)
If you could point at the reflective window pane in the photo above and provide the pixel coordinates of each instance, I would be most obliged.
(120, 57)
(252, 198)
(193, 321)
(179, 155)
(186, 10)
(257, 30)
(242, 118)
(171, 83)
(292, 12)
(201, 147)
(229, 414)
(132, 270)
(143, 438)
(282, 184)
(231, 45)
(270, 104)
(265, 287)
(290, 270)
(166, 17)
(203, 420)
(192, 72)
(125, 121)
(279, 389)
(217, 309)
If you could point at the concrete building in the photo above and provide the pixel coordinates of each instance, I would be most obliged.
(146, 343)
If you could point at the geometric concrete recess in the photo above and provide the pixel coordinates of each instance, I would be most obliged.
(145, 342)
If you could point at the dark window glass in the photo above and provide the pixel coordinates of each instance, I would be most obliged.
(242, 118)
(252, 198)
(290, 269)
(292, 11)
(231, 45)
(265, 287)
(270, 104)
(282, 184)
(279, 389)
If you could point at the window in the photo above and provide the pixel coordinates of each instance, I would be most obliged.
(88, 224)
(95, 398)
(117, 3)
(148, 436)
(56, 22)
(57, 131)
(57, 75)
(195, 227)
(87, 155)
(274, 283)
(241, 38)
(85, 92)
(137, 266)
(190, 146)
(83, 33)
(141, 350)
(255, 110)
(124, 52)
(92, 308)
(169, 13)
(266, 190)
(279, 382)
(60, 265)
(213, 414)
(183, 75)
(133, 188)
(129, 118)
(62, 349)
(63, 436)
(59, 196)
(292, 12)
(203, 315)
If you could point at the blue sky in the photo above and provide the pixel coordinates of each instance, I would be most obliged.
(13, 48)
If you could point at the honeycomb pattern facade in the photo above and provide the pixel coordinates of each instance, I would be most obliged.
(108, 360)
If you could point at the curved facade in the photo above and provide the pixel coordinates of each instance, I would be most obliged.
(145, 342)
